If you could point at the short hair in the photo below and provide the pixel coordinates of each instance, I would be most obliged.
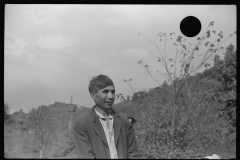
(99, 82)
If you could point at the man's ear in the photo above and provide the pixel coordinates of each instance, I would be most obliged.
(93, 95)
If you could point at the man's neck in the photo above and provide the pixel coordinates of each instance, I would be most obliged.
(104, 112)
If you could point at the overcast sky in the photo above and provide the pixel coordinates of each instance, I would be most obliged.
(52, 51)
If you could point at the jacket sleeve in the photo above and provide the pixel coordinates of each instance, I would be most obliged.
(82, 141)
(133, 151)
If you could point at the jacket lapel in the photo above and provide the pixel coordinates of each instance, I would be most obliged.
(117, 127)
(97, 126)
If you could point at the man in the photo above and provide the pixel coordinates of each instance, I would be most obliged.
(102, 132)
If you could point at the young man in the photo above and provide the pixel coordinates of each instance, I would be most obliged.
(102, 132)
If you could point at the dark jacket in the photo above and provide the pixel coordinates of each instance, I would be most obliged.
(91, 141)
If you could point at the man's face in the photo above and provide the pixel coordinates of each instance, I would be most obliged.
(105, 97)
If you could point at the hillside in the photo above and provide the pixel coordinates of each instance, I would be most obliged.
(21, 138)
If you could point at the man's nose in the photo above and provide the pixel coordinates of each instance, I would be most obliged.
(110, 95)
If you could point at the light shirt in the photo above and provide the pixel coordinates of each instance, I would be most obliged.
(107, 124)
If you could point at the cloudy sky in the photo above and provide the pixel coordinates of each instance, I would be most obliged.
(52, 51)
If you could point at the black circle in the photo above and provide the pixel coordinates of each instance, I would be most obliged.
(190, 26)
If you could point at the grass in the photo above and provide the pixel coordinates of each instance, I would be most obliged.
(13, 143)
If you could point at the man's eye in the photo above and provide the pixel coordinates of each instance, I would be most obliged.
(106, 91)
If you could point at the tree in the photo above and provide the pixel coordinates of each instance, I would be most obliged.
(227, 72)
(8, 119)
(228, 69)
(6, 111)
(43, 129)
(181, 70)
(135, 96)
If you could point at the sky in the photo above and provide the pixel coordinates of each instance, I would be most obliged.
(52, 51)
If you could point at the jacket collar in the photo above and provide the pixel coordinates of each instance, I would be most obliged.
(99, 129)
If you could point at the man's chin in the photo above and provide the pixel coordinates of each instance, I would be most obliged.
(108, 105)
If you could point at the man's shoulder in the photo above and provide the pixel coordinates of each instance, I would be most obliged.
(123, 115)
(85, 119)
(127, 118)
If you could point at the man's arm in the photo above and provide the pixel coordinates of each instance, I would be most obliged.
(82, 141)
(133, 151)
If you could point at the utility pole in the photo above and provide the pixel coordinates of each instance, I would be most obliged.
(71, 120)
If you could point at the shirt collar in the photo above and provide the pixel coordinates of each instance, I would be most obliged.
(101, 116)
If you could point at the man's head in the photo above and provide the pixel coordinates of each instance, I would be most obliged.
(102, 91)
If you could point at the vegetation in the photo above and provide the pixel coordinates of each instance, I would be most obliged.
(191, 114)
(44, 132)
(205, 119)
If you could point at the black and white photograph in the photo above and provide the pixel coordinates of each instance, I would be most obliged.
(120, 81)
